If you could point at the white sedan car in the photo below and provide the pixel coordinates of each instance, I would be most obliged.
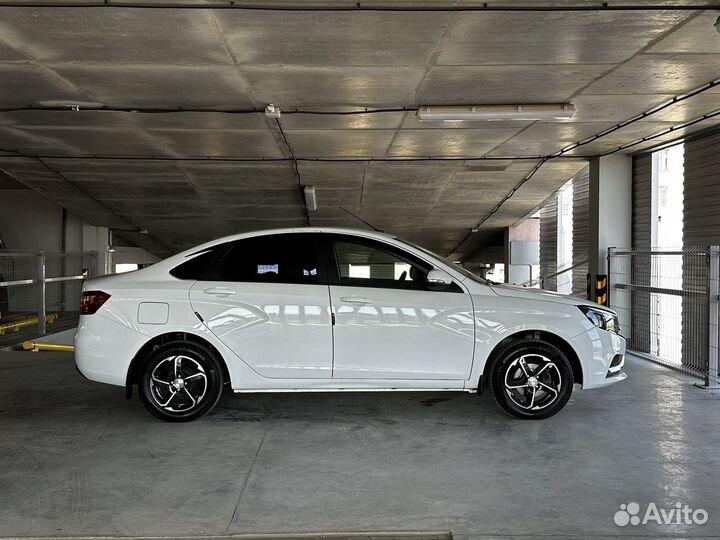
(327, 310)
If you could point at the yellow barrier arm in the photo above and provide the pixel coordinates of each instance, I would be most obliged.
(37, 347)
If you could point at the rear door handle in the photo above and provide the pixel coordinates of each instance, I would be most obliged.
(355, 300)
(222, 292)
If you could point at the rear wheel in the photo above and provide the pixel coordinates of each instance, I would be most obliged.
(180, 382)
(531, 379)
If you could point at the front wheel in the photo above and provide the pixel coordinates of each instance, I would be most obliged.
(531, 379)
(180, 382)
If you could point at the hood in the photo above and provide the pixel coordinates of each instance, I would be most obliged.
(516, 291)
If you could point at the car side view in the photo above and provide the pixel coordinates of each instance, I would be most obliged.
(327, 310)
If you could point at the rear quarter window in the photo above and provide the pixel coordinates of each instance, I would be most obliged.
(195, 267)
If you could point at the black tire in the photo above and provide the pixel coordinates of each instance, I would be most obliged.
(180, 381)
(517, 389)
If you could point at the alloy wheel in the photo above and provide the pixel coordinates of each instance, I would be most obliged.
(178, 383)
(533, 382)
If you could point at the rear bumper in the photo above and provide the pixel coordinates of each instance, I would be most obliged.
(104, 349)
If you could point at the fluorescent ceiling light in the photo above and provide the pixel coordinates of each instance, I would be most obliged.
(310, 198)
(469, 113)
(271, 111)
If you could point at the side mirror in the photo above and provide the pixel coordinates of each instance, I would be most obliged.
(438, 279)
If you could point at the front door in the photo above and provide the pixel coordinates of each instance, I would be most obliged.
(264, 300)
(389, 323)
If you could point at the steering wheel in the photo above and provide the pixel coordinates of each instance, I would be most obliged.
(403, 276)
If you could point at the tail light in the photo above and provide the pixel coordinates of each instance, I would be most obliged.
(91, 301)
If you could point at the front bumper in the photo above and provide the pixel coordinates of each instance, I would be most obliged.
(602, 355)
(615, 369)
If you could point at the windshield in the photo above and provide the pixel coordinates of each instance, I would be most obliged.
(456, 267)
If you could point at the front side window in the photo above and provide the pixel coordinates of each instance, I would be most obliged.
(366, 264)
(289, 258)
(456, 267)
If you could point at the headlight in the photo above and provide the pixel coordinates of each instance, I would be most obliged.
(606, 320)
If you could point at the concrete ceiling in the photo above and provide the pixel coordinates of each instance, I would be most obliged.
(612, 65)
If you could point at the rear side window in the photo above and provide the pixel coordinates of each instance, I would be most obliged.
(289, 258)
(195, 267)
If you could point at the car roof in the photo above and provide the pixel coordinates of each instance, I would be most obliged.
(289, 230)
(330, 230)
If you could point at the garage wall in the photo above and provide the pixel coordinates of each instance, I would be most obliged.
(29, 221)
(581, 230)
(642, 202)
(701, 195)
(548, 242)
(701, 226)
(580, 240)
(641, 240)
(701, 199)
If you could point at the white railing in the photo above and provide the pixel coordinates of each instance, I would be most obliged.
(542, 278)
(39, 288)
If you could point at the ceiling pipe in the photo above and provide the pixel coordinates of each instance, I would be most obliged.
(359, 7)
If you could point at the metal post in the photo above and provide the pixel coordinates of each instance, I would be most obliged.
(109, 253)
(93, 264)
(607, 300)
(42, 328)
(711, 377)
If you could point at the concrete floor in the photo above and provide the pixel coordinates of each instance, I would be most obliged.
(78, 459)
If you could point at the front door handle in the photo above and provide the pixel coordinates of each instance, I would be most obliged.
(222, 292)
(355, 300)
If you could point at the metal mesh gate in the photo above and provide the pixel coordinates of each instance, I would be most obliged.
(670, 298)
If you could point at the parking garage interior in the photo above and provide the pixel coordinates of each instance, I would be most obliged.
(566, 145)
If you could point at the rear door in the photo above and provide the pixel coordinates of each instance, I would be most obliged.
(264, 298)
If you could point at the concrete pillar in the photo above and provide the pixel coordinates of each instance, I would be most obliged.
(96, 239)
(610, 208)
(610, 212)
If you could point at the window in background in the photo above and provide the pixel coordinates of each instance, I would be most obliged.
(497, 273)
(668, 177)
(359, 271)
(668, 182)
(565, 238)
(121, 268)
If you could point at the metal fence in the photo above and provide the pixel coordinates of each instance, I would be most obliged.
(670, 299)
(40, 292)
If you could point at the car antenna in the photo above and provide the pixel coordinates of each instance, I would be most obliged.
(373, 227)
